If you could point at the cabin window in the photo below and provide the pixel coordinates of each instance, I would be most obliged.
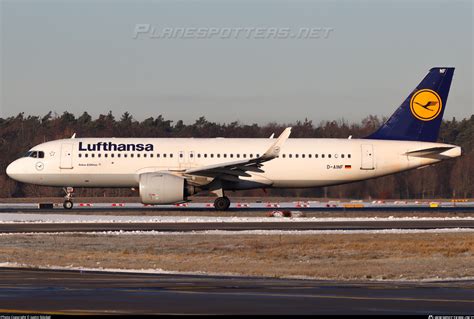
(225, 155)
(315, 155)
(290, 155)
(309, 155)
(181, 155)
(99, 155)
(144, 155)
(125, 155)
(131, 155)
(164, 155)
(245, 155)
(329, 155)
(342, 155)
(112, 155)
(151, 154)
(218, 155)
(205, 155)
(238, 155)
(106, 155)
(191, 155)
(86, 155)
(80, 155)
(212, 155)
(118, 155)
(322, 155)
(92, 155)
(284, 156)
(348, 155)
(251, 155)
(138, 155)
(171, 155)
(231, 155)
(296, 155)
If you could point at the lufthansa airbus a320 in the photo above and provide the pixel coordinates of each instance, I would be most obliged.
(168, 170)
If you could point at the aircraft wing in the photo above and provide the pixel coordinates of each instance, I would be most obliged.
(232, 170)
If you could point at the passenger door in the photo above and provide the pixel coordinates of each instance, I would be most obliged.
(367, 157)
(66, 156)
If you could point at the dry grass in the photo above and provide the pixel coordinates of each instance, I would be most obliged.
(361, 256)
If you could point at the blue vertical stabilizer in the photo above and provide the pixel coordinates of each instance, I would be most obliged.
(420, 115)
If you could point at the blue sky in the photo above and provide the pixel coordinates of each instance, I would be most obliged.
(81, 56)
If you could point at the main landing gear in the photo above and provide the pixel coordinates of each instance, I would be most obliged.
(222, 203)
(68, 204)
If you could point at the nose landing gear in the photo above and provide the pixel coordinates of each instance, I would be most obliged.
(68, 204)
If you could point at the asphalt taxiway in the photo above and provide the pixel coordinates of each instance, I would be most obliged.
(235, 226)
(83, 292)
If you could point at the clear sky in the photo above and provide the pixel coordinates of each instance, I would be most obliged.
(82, 56)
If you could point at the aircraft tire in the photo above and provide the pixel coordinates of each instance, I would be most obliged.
(222, 203)
(68, 204)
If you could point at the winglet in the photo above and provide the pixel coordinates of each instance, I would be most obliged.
(274, 150)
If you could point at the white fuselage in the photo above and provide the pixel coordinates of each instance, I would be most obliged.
(302, 162)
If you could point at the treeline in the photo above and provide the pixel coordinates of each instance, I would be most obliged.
(450, 179)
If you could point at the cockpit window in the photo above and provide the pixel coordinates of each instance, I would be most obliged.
(34, 154)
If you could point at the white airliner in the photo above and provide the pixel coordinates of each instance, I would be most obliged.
(168, 170)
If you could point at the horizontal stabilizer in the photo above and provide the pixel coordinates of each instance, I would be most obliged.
(429, 151)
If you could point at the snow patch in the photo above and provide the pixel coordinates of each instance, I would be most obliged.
(16, 218)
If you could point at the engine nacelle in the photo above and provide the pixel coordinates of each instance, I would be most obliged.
(163, 188)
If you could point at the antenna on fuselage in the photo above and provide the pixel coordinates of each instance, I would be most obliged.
(271, 136)
(73, 136)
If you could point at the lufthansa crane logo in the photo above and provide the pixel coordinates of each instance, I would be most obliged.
(39, 166)
(426, 105)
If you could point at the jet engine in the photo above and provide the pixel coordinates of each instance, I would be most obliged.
(164, 188)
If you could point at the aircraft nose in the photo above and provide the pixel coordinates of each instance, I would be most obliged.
(12, 170)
